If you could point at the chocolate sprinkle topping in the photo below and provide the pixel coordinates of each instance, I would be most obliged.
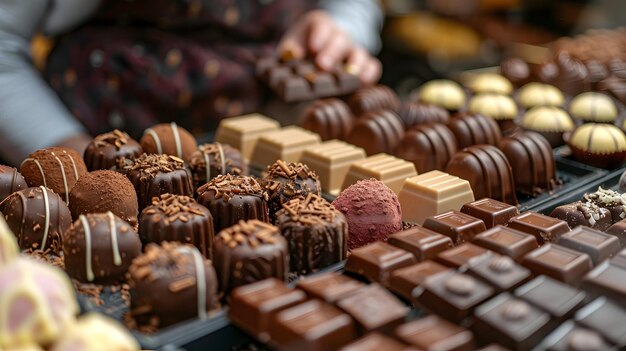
(226, 186)
(151, 164)
(252, 233)
(311, 210)
(175, 207)
(116, 138)
(290, 170)
(165, 256)
(214, 150)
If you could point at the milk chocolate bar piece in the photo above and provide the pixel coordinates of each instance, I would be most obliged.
(376, 261)
(243, 132)
(461, 255)
(286, 144)
(607, 279)
(501, 272)
(331, 161)
(599, 246)
(435, 192)
(329, 287)
(404, 280)
(558, 262)
(375, 342)
(569, 336)
(388, 169)
(459, 226)
(492, 212)
(556, 298)
(434, 333)
(507, 241)
(606, 318)
(544, 228)
(423, 243)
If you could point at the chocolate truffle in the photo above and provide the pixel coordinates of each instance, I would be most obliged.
(316, 231)
(415, 113)
(531, 159)
(444, 93)
(168, 139)
(102, 191)
(502, 108)
(490, 83)
(170, 283)
(249, 251)
(95, 332)
(549, 121)
(593, 107)
(38, 218)
(584, 213)
(330, 118)
(104, 151)
(566, 73)
(609, 199)
(99, 248)
(57, 168)
(474, 129)
(153, 175)
(38, 302)
(377, 131)
(10, 181)
(220, 158)
(372, 210)
(177, 218)
(373, 98)
(8, 243)
(598, 144)
(428, 146)
(233, 198)
(540, 94)
(487, 170)
(516, 71)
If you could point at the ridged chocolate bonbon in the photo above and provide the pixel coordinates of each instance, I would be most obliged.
(104, 151)
(330, 118)
(416, 113)
(373, 98)
(211, 160)
(474, 129)
(10, 181)
(428, 146)
(377, 131)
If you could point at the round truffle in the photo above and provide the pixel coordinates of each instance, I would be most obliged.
(168, 139)
(330, 118)
(584, 213)
(428, 146)
(373, 98)
(598, 144)
(104, 151)
(177, 218)
(171, 283)
(285, 181)
(540, 94)
(516, 71)
(250, 251)
(10, 181)
(444, 93)
(233, 198)
(474, 129)
(372, 210)
(221, 158)
(498, 107)
(99, 248)
(593, 107)
(38, 301)
(102, 191)
(416, 113)
(549, 121)
(490, 83)
(8, 244)
(153, 175)
(376, 132)
(38, 217)
(95, 332)
(316, 231)
(57, 168)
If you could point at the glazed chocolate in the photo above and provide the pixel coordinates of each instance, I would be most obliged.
(606, 318)
(598, 245)
(558, 262)
(501, 108)
(607, 279)
(556, 298)
(461, 255)
(434, 333)
(584, 214)
(373, 98)
(459, 226)
(507, 241)
(423, 243)
(501, 272)
(490, 211)
(416, 113)
(330, 118)
(392, 171)
(545, 229)
(375, 342)
(376, 261)
(474, 129)
(549, 121)
(286, 144)
(377, 131)
(210, 160)
(538, 94)
(10, 181)
(105, 150)
(428, 146)
(316, 231)
(619, 230)
(243, 132)
(329, 287)
(593, 107)
(168, 139)
(404, 280)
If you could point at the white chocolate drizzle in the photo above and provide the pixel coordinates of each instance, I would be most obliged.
(223, 160)
(207, 163)
(207, 166)
(156, 139)
(43, 175)
(200, 279)
(67, 190)
(117, 259)
(179, 147)
(46, 226)
(73, 165)
(88, 266)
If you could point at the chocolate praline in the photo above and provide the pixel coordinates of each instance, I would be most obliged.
(609, 199)
(10, 181)
(377, 131)
(584, 213)
(220, 158)
(106, 149)
(373, 98)
(415, 113)
(168, 139)
(598, 144)
(428, 146)
(474, 129)
(330, 118)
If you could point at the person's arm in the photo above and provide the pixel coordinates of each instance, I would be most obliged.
(361, 19)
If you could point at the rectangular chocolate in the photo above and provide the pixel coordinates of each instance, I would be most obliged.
(599, 246)
(461, 255)
(329, 287)
(558, 262)
(619, 230)
(558, 299)
(435, 192)
(388, 169)
(375, 342)
(376, 261)
(404, 280)
(490, 211)
(544, 228)
(501, 272)
(434, 333)
(243, 132)
(606, 318)
(607, 279)
(421, 242)
(459, 226)
(286, 144)
(507, 241)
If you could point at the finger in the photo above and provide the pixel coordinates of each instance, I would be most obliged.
(372, 71)
(357, 58)
(294, 42)
(320, 33)
(335, 51)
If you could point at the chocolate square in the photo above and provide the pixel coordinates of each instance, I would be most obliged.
(507, 241)
(599, 246)
(501, 272)
(421, 242)
(554, 297)
(569, 336)
(329, 287)
(461, 255)
(491, 212)
(456, 225)
(375, 342)
(619, 230)
(376, 261)
(404, 280)
(544, 228)
(606, 318)
(434, 333)
(607, 279)
(558, 262)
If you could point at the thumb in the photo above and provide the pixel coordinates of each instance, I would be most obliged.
(293, 43)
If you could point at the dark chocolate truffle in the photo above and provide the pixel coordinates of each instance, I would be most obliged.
(250, 251)
(566, 73)
(373, 98)
(487, 170)
(584, 213)
(516, 70)
(316, 231)
(10, 181)
(285, 181)
(415, 113)
(378, 131)
(177, 218)
(474, 129)
(330, 118)
(57, 168)
(99, 248)
(530, 157)
(611, 200)
(104, 151)
(221, 158)
(428, 146)
(153, 175)
(233, 198)
(598, 144)
(38, 217)
(168, 139)
(102, 191)
(171, 283)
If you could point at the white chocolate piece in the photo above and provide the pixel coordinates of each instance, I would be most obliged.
(95, 332)
(599, 138)
(243, 132)
(388, 169)
(444, 93)
(486, 83)
(593, 107)
(547, 119)
(540, 94)
(286, 144)
(498, 107)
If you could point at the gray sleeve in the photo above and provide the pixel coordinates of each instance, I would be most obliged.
(362, 19)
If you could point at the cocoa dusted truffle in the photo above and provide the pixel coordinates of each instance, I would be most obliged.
(598, 144)
(549, 121)
(57, 168)
(250, 251)
(377, 131)
(233, 198)
(428, 146)
(10, 181)
(153, 175)
(38, 217)
(416, 113)
(104, 151)
(474, 129)
(99, 248)
(316, 231)
(168, 139)
(444, 93)
(330, 118)
(373, 98)
(220, 158)
(171, 283)
(102, 191)
(372, 210)
(285, 181)
(177, 218)
(584, 213)
(95, 332)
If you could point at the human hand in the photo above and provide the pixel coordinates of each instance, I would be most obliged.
(317, 35)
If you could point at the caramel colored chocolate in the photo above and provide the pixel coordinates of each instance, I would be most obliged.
(433, 333)
(461, 255)
(544, 228)
(558, 262)
(491, 212)
(375, 342)
(599, 246)
(459, 226)
(286, 144)
(421, 242)
(390, 170)
(606, 318)
(376, 261)
(243, 132)
(556, 298)
(329, 287)
(608, 279)
(507, 241)
(436, 192)
(330, 118)
(331, 161)
(501, 272)
(428, 146)
(377, 131)
(404, 280)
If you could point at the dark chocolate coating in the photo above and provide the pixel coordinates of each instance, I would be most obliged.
(330, 118)
(474, 130)
(404, 280)
(605, 317)
(104, 151)
(507, 241)
(376, 132)
(10, 181)
(233, 163)
(26, 212)
(373, 98)
(558, 262)
(329, 286)
(487, 170)
(428, 146)
(585, 214)
(516, 70)
(414, 113)
(168, 139)
(501, 272)
(99, 248)
(619, 230)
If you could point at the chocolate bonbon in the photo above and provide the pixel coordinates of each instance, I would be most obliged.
(459, 226)
(507, 241)
(104, 151)
(286, 144)
(584, 214)
(501, 108)
(377, 131)
(330, 118)
(243, 132)
(168, 139)
(442, 92)
(539, 94)
(598, 144)
(491, 212)
(490, 83)
(211, 160)
(423, 243)
(608, 199)
(598, 245)
(329, 287)
(376, 261)
(593, 107)
(474, 129)
(428, 146)
(549, 121)
(10, 181)
(390, 170)
(373, 98)
(415, 113)
(544, 228)
(558, 262)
